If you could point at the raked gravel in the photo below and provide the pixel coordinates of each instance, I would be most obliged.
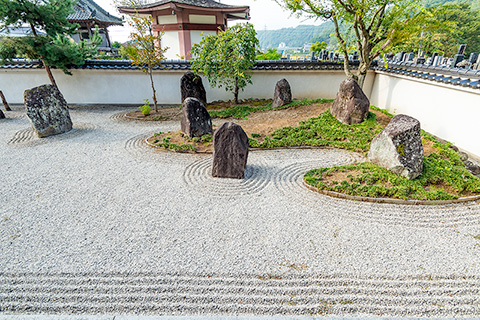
(96, 222)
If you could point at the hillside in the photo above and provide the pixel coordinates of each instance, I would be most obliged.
(294, 37)
(297, 37)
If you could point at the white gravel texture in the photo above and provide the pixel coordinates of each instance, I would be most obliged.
(96, 222)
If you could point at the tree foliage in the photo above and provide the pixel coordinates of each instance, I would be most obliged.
(448, 26)
(145, 51)
(375, 24)
(271, 54)
(52, 46)
(318, 47)
(225, 58)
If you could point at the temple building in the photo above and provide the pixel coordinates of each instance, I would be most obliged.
(89, 15)
(186, 22)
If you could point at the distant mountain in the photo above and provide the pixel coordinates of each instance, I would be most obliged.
(295, 37)
(432, 3)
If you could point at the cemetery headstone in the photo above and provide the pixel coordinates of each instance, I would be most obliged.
(399, 147)
(473, 57)
(409, 57)
(351, 105)
(457, 59)
(282, 94)
(191, 86)
(230, 151)
(461, 49)
(196, 121)
(47, 110)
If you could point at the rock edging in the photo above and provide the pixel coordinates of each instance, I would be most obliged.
(390, 200)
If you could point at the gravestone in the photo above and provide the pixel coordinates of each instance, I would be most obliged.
(398, 147)
(282, 94)
(457, 59)
(47, 110)
(409, 57)
(351, 105)
(419, 60)
(196, 121)
(437, 60)
(230, 151)
(461, 49)
(473, 57)
(313, 56)
(355, 56)
(191, 86)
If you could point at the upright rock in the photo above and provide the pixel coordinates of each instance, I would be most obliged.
(351, 105)
(282, 94)
(399, 147)
(230, 151)
(47, 110)
(191, 86)
(195, 121)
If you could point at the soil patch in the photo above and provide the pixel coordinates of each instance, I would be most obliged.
(258, 125)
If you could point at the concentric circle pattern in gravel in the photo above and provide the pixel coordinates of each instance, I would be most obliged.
(97, 222)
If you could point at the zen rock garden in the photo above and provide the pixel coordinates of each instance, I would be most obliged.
(398, 147)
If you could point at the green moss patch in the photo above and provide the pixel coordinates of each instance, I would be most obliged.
(444, 177)
(324, 130)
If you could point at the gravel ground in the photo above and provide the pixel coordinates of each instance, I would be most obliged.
(96, 222)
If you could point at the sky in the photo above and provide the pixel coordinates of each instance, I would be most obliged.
(265, 14)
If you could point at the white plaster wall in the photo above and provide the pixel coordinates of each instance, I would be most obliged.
(202, 19)
(170, 39)
(131, 87)
(197, 36)
(449, 112)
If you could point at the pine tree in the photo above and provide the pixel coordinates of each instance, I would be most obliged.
(52, 45)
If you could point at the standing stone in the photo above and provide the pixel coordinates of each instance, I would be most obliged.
(195, 121)
(282, 95)
(47, 110)
(351, 105)
(230, 151)
(399, 147)
(191, 86)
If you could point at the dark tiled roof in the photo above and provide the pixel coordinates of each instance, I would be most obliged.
(89, 10)
(198, 3)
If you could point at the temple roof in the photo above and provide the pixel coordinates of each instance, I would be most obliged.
(88, 10)
(196, 3)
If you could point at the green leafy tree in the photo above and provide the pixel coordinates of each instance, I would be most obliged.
(271, 54)
(375, 24)
(145, 51)
(225, 58)
(318, 47)
(53, 47)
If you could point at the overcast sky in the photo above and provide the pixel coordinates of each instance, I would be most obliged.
(265, 14)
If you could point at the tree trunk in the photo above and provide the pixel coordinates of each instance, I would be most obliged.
(236, 90)
(362, 73)
(153, 88)
(5, 103)
(47, 68)
(50, 75)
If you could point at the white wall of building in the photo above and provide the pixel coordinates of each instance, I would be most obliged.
(170, 40)
(197, 36)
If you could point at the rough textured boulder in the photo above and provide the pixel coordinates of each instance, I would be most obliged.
(195, 121)
(230, 151)
(2, 115)
(399, 147)
(191, 86)
(351, 105)
(47, 110)
(282, 94)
